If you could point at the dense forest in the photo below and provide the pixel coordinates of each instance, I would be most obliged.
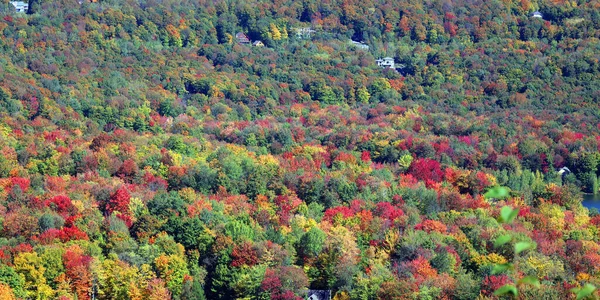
(147, 152)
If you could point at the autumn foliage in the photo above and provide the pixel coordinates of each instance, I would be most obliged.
(148, 152)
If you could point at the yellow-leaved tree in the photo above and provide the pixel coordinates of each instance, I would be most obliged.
(275, 33)
(30, 265)
(172, 269)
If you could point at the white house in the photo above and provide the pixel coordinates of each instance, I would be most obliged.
(537, 14)
(20, 6)
(386, 62)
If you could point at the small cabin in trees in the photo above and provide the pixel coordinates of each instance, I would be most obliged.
(258, 44)
(386, 62)
(318, 295)
(537, 14)
(20, 6)
(242, 38)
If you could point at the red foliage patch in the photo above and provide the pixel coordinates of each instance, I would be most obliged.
(343, 211)
(357, 205)
(492, 283)
(127, 219)
(22, 247)
(21, 182)
(426, 169)
(431, 225)
(154, 182)
(62, 205)
(64, 235)
(346, 157)
(421, 269)
(595, 220)
(243, 254)
(442, 147)
(286, 205)
(128, 168)
(365, 156)
(387, 211)
(77, 268)
(119, 201)
(280, 282)
(55, 184)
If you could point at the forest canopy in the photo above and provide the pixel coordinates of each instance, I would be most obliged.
(155, 150)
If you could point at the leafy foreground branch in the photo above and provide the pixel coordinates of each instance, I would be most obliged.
(507, 216)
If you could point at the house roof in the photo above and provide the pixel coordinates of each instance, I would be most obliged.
(359, 44)
(19, 3)
(20, 6)
(242, 38)
(320, 294)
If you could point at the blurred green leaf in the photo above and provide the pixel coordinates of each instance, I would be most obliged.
(501, 240)
(584, 291)
(507, 214)
(500, 268)
(522, 246)
(506, 289)
(532, 280)
(497, 192)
